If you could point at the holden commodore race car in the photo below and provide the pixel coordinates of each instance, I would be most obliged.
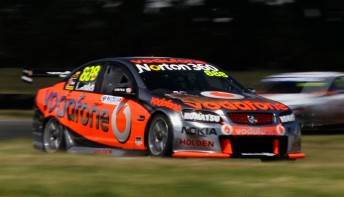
(316, 98)
(163, 107)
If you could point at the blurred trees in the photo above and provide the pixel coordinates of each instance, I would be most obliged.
(239, 34)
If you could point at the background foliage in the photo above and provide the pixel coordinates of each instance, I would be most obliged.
(239, 34)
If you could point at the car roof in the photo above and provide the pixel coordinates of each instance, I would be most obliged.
(303, 76)
(147, 57)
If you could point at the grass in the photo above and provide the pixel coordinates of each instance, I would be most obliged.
(27, 172)
(16, 114)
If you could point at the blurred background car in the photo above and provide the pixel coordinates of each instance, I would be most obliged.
(316, 98)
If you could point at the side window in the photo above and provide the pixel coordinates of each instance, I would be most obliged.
(72, 80)
(117, 79)
(84, 79)
(338, 84)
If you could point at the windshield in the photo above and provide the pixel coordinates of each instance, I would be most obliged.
(293, 86)
(191, 81)
(177, 74)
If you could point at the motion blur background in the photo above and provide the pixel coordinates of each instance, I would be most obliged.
(235, 34)
(249, 38)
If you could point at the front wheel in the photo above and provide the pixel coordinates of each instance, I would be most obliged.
(160, 137)
(53, 136)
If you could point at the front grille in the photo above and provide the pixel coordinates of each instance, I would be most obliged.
(251, 118)
(257, 144)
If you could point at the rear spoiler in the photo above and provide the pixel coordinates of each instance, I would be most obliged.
(28, 75)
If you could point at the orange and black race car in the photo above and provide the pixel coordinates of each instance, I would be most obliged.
(162, 107)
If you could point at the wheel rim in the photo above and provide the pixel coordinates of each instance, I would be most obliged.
(52, 136)
(158, 137)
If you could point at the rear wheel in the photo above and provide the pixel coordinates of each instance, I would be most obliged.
(53, 136)
(160, 136)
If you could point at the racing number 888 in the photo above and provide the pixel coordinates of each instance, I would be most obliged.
(215, 73)
(90, 73)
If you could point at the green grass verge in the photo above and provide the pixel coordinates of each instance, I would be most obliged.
(27, 172)
(16, 114)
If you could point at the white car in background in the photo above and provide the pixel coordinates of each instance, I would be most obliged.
(316, 98)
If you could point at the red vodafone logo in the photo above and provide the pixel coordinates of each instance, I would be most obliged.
(226, 129)
(280, 129)
(221, 95)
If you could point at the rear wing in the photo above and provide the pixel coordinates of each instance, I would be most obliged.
(28, 75)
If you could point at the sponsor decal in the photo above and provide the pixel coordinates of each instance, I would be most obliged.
(254, 131)
(200, 103)
(111, 99)
(238, 105)
(123, 90)
(221, 95)
(200, 116)
(77, 111)
(143, 66)
(166, 60)
(119, 90)
(196, 143)
(179, 92)
(72, 81)
(226, 129)
(198, 131)
(138, 141)
(128, 90)
(86, 87)
(165, 103)
(103, 151)
(258, 154)
(280, 129)
(287, 118)
(121, 121)
(215, 74)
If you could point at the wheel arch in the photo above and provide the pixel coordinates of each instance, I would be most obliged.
(155, 113)
(46, 120)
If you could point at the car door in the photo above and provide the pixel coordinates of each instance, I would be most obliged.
(127, 118)
(84, 112)
(335, 101)
(330, 106)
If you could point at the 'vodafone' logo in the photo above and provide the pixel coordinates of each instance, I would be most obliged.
(226, 129)
(121, 121)
(221, 95)
(280, 129)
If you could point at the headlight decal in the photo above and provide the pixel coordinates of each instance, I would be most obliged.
(287, 118)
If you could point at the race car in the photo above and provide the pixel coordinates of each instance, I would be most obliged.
(161, 106)
(317, 98)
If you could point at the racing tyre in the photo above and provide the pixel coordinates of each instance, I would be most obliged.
(53, 136)
(160, 137)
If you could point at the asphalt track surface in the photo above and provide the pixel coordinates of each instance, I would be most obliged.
(15, 128)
